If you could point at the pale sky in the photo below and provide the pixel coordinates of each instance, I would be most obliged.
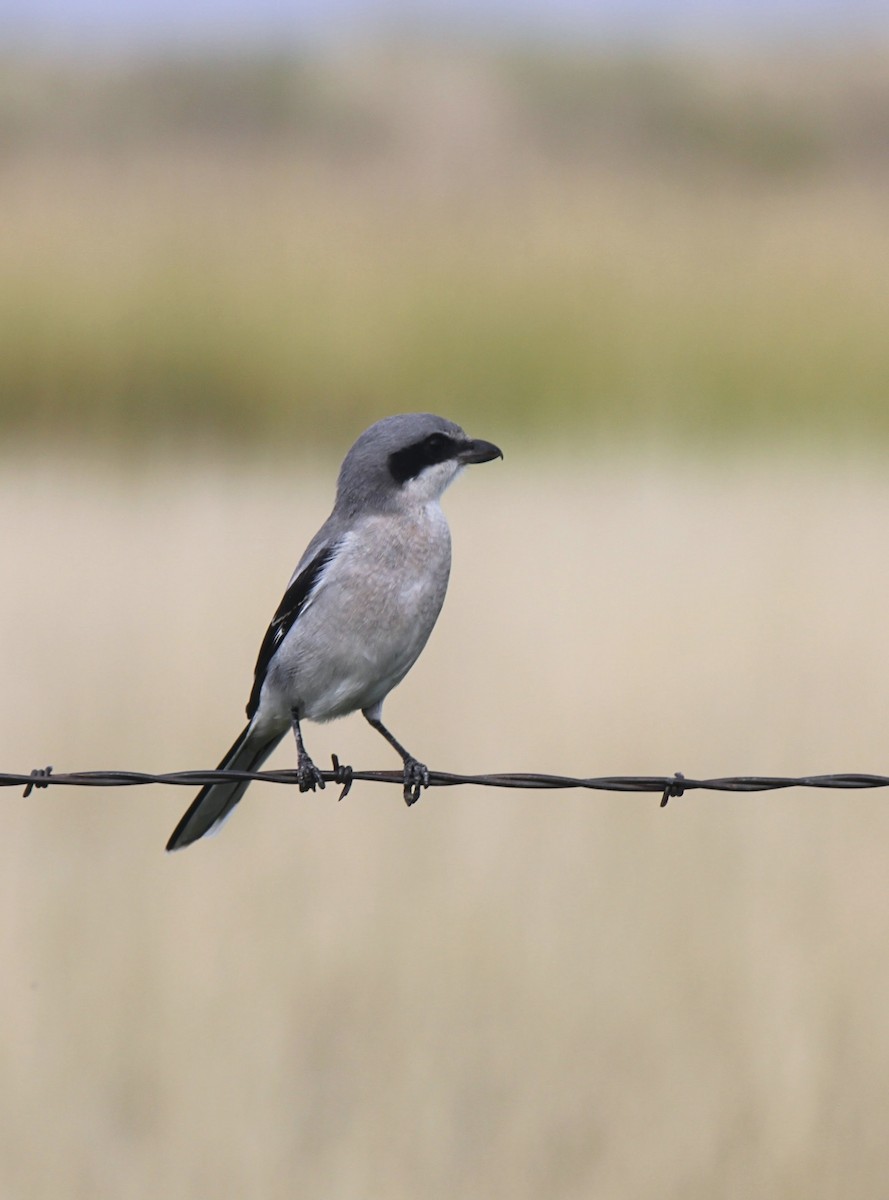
(57, 23)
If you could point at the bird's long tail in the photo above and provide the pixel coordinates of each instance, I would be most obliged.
(215, 802)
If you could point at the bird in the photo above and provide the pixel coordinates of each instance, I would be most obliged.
(358, 609)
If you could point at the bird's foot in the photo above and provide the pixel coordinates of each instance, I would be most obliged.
(416, 777)
(308, 777)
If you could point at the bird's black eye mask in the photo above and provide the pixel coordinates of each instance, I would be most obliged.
(407, 463)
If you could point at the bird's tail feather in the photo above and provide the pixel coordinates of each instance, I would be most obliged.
(213, 803)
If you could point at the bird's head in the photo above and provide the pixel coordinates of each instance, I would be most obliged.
(410, 458)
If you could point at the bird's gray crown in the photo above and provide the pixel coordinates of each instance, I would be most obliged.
(391, 452)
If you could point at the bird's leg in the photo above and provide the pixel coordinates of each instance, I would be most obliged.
(416, 774)
(307, 774)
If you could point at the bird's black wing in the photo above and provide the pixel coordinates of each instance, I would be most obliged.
(288, 610)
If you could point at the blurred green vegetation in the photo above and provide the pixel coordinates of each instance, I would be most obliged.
(285, 247)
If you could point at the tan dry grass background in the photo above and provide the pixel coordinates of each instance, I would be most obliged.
(492, 994)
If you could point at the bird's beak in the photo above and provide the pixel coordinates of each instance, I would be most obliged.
(479, 451)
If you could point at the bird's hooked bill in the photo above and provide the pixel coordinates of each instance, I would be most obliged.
(479, 451)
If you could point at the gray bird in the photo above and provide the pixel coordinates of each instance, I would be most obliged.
(359, 607)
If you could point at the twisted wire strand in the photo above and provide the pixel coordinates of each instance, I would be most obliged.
(667, 785)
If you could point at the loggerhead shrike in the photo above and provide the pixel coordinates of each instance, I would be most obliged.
(359, 607)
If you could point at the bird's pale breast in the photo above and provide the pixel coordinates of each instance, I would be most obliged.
(369, 619)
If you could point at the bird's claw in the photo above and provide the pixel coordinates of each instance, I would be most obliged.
(416, 777)
(308, 777)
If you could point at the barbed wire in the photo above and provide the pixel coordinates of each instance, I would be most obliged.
(667, 785)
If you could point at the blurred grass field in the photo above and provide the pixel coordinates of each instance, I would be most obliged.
(196, 251)
(494, 993)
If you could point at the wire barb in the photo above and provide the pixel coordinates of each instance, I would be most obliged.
(39, 773)
(673, 789)
(341, 774)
